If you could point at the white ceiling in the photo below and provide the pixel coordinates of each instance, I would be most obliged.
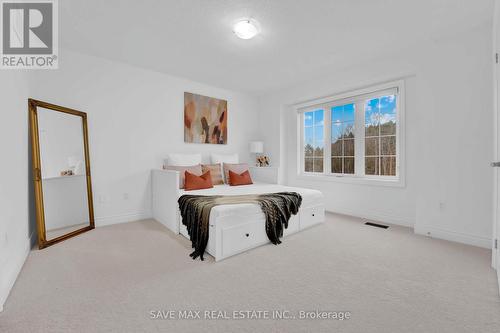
(300, 38)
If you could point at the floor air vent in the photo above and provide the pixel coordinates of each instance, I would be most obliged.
(377, 225)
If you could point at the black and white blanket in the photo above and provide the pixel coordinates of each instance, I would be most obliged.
(195, 212)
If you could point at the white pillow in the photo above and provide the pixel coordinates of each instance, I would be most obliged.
(183, 159)
(225, 158)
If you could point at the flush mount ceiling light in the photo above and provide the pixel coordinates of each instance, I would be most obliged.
(246, 28)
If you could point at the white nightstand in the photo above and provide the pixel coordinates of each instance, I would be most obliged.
(268, 174)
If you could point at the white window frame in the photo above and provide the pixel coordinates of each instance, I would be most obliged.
(358, 177)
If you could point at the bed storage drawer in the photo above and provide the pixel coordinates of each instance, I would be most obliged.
(242, 237)
(311, 215)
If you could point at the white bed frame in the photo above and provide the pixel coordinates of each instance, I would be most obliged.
(230, 234)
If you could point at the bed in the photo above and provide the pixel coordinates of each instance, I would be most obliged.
(233, 228)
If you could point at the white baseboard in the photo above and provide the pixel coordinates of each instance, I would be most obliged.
(493, 259)
(122, 218)
(434, 232)
(453, 236)
(498, 278)
(12, 273)
(380, 217)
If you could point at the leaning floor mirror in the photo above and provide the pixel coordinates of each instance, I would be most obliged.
(61, 172)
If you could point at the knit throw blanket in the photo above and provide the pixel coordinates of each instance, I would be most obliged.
(195, 212)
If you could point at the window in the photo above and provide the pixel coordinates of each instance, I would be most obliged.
(354, 136)
(314, 126)
(380, 136)
(343, 139)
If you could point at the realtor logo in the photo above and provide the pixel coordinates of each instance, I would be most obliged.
(29, 34)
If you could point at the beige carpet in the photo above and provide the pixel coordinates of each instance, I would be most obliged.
(108, 280)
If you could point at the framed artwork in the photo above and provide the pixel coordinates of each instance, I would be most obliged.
(205, 119)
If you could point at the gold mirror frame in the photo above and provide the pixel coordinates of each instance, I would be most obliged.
(37, 174)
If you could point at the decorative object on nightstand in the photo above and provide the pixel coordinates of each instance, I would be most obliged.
(262, 161)
(257, 147)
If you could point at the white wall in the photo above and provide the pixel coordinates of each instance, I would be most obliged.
(449, 137)
(135, 119)
(16, 214)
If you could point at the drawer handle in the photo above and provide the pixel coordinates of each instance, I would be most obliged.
(247, 235)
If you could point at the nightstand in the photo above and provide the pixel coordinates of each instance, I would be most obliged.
(268, 174)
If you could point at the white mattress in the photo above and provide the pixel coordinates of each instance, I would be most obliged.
(309, 197)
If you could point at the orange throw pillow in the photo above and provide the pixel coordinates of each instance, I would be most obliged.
(241, 179)
(194, 182)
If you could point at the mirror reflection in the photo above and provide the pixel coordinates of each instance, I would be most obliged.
(63, 174)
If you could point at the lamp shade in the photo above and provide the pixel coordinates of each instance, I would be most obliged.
(257, 147)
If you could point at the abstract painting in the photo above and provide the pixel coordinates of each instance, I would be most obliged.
(205, 119)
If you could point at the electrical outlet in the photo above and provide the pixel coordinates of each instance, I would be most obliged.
(125, 196)
(103, 199)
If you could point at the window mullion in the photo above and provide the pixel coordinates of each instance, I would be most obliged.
(359, 139)
(327, 130)
(313, 143)
(379, 141)
(302, 143)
